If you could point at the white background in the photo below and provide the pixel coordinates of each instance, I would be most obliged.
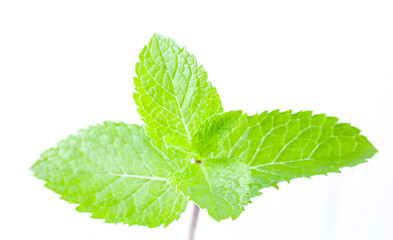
(65, 65)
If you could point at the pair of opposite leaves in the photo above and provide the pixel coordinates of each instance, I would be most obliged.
(143, 175)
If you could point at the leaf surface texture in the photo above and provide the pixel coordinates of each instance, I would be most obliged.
(173, 94)
(113, 172)
(221, 186)
(281, 146)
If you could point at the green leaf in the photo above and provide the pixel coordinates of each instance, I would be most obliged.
(114, 172)
(215, 130)
(221, 186)
(124, 173)
(173, 94)
(283, 146)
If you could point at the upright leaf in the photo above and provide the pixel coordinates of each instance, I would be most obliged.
(173, 94)
(283, 146)
(113, 172)
(221, 186)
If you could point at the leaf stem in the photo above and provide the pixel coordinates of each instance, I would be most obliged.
(194, 221)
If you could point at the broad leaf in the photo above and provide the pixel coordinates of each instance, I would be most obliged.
(283, 146)
(114, 172)
(173, 94)
(221, 186)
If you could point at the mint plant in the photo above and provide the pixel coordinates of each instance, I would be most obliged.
(190, 149)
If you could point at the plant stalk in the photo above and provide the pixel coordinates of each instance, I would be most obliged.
(194, 221)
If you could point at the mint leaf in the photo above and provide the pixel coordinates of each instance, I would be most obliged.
(213, 132)
(124, 173)
(113, 172)
(221, 186)
(283, 146)
(173, 94)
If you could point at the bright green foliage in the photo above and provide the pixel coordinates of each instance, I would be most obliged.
(114, 172)
(219, 185)
(173, 94)
(283, 146)
(213, 132)
(124, 173)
